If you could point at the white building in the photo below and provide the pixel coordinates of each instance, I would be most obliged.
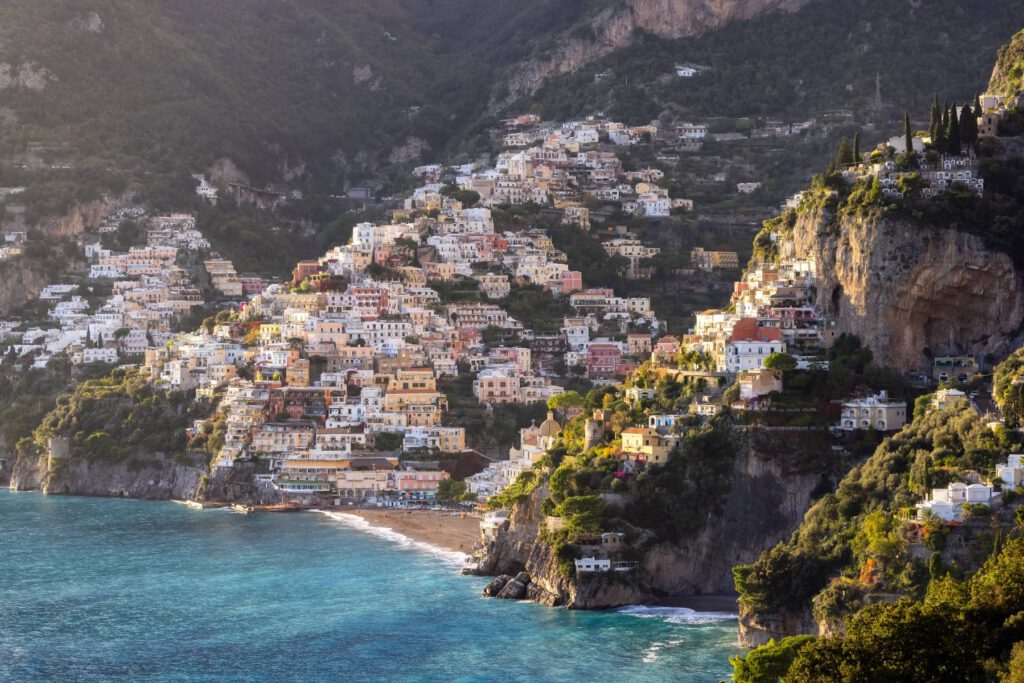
(947, 504)
(592, 564)
(1012, 471)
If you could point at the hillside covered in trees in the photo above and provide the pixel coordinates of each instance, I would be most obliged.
(318, 94)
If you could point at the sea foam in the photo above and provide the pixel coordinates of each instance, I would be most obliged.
(676, 615)
(356, 522)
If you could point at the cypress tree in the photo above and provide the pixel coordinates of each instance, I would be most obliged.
(978, 111)
(968, 126)
(844, 155)
(856, 148)
(939, 137)
(954, 131)
(935, 568)
(908, 135)
(936, 120)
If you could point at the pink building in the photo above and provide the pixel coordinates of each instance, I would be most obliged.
(418, 485)
(603, 359)
(666, 349)
(567, 282)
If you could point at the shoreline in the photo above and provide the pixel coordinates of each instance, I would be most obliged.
(702, 603)
(431, 530)
(452, 537)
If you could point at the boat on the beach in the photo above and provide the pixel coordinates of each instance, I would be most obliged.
(277, 507)
(201, 505)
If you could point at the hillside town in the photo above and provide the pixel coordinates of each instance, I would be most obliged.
(129, 302)
(337, 384)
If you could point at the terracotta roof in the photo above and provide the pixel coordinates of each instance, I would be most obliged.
(638, 430)
(748, 330)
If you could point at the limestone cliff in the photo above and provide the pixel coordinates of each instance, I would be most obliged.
(774, 478)
(157, 477)
(22, 278)
(518, 548)
(756, 630)
(908, 290)
(616, 27)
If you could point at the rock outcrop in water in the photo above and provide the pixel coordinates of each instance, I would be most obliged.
(774, 478)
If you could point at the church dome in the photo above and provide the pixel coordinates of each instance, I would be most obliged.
(550, 428)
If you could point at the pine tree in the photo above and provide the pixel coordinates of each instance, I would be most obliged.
(856, 148)
(908, 134)
(954, 131)
(968, 126)
(936, 120)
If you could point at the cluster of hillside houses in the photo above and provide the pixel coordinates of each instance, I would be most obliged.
(129, 302)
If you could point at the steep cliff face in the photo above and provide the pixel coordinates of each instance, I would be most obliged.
(775, 475)
(903, 288)
(23, 278)
(82, 218)
(756, 630)
(158, 477)
(518, 548)
(616, 27)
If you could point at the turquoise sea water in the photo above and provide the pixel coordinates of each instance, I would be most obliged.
(116, 590)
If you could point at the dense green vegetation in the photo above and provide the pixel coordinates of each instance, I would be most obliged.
(769, 663)
(116, 417)
(1008, 388)
(1008, 76)
(181, 84)
(853, 527)
(27, 395)
(672, 500)
(773, 66)
(317, 92)
(960, 629)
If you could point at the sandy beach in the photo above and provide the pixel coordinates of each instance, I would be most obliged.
(458, 533)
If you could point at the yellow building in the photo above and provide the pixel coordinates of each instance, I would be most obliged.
(646, 445)
(283, 437)
(361, 483)
(298, 373)
(413, 379)
(270, 332)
